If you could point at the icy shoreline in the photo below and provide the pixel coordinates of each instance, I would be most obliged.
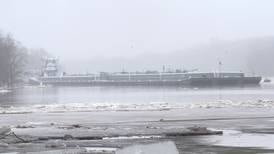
(103, 130)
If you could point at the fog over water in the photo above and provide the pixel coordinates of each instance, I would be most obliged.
(57, 94)
(105, 35)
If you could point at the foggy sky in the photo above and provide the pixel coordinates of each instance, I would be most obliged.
(92, 29)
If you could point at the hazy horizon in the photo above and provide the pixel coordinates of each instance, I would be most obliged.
(84, 31)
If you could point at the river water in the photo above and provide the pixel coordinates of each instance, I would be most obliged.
(134, 98)
(238, 110)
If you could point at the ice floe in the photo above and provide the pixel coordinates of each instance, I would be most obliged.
(153, 106)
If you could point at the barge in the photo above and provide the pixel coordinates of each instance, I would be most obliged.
(156, 79)
(181, 79)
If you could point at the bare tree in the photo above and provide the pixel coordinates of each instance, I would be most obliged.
(12, 59)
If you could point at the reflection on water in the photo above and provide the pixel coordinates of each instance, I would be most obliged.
(156, 148)
(129, 95)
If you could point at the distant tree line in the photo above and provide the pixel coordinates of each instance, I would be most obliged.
(12, 60)
(17, 62)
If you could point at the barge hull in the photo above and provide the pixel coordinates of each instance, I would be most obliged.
(243, 81)
(192, 82)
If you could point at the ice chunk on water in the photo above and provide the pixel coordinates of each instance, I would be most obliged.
(4, 91)
(153, 106)
(100, 150)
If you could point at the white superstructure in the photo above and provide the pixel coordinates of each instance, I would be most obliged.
(50, 67)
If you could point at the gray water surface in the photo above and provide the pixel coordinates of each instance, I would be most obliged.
(131, 95)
